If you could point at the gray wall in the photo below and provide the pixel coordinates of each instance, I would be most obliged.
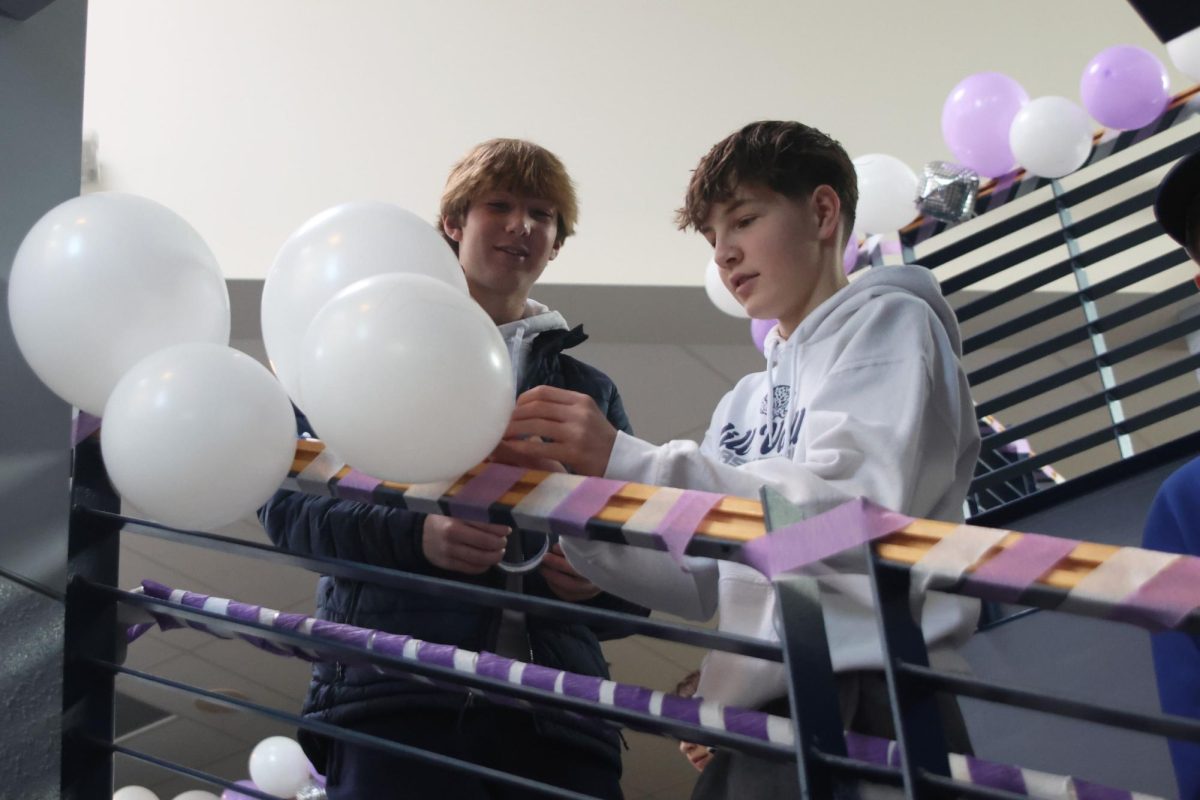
(41, 110)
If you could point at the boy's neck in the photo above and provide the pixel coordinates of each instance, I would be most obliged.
(831, 278)
(501, 308)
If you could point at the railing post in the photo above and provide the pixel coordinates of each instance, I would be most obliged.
(919, 734)
(812, 691)
(93, 551)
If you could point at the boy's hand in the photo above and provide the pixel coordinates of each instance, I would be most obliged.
(505, 454)
(698, 754)
(551, 423)
(467, 547)
(564, 581)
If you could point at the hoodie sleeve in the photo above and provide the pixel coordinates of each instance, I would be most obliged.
(876, 427)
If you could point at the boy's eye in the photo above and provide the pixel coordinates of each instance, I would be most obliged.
(541, 213)
(498, 205)
(745, 221)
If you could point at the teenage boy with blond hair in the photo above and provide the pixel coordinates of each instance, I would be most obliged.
(507, 208)
(863, 395)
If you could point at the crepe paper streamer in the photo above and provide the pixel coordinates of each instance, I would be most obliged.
(798, 544)
(1144, 588)
(570, 517)
(711, 715)
(473, 502)
(83, 426)
(1006, 576)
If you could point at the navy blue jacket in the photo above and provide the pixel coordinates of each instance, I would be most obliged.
(390, 537)
(1173, 525)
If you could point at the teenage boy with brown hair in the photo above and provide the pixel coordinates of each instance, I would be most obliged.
(507, 208)
(863, 395)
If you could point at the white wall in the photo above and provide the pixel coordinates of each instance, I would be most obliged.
(248, 116)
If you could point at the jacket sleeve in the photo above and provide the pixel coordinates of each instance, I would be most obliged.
(312, 525)
(315, 525)
(1177, 655)
(616, 412)
(899, 451)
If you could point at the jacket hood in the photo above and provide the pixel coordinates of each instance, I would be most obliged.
(829, 317)
(537, 318)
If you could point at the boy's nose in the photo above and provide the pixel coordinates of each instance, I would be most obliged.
(726, 256)
(518, 222)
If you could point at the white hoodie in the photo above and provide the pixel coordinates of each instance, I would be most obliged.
(866, 398)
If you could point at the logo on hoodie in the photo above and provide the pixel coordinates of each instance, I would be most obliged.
(765, 440)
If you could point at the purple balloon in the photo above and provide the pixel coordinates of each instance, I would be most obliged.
(1125, 87)
(230, 794)
(976, 119)
(317, 777)
(759, 328)
(850, 257)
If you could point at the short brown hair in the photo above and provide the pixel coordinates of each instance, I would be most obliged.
(511, 165)
(787, 157)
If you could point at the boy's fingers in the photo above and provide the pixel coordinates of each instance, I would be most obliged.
(488, 527)
(550, 394)
(525, 428)
(544, 409)
(467, 536)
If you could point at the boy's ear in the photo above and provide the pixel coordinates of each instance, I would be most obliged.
(554, 250)
(452, 227)
(828, 209)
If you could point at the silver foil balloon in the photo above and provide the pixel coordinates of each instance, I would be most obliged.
(311, 791)
(947, 191)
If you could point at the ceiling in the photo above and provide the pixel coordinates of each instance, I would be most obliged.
(248, 118)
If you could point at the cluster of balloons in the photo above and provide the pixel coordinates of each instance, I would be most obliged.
(119, 307)
(278, 766)
(990, 124)
(368, 324)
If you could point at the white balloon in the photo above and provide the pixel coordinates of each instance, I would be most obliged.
(196, 794)
(334, 249)
(102, 281)
(406, 379)
(198, 435)
(887, 193)
(1184, 52)
(1051, 137)
(134, 793)
(720, 296)
(278, 766)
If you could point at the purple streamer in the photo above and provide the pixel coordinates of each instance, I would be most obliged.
(440, 654)
(1164, 601)
(540, 677)
(570, 517)
(997, 776)
(1085, 790)
(1005, 577)
(679, 524)
(747, 723)
(494, 666)
(636, 698)
(681, 708)
(871, 749)
(357, 486)
(583, 686)
(83, 426)
(847, 526)
(473, 501)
